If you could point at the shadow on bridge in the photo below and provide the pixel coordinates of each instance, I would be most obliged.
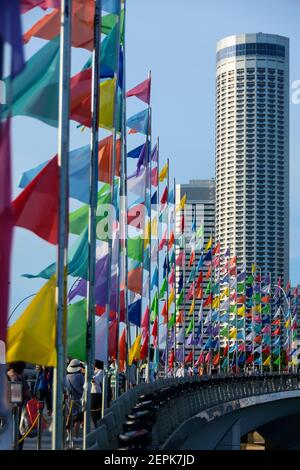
(208, 413)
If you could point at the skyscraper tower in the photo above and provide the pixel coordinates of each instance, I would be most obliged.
(252, 150)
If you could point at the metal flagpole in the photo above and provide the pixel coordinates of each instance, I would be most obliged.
(90, 312)
(125, 201)
(193, 280)
(184, 284)
(63, 163)
(157, 256)
(167, 277)
(175, 273)
(112, 169)
(150, 235)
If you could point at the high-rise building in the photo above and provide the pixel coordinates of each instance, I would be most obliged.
(200, 206)
(252, 150)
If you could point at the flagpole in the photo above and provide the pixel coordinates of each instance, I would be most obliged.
(157, 256)
(150, 222)
(193, 280)
(261, 362)
(175, 273)
(113, 170)
(167, 277)
(90, 313)
(125, 202)
(61, 273)
(184, 284)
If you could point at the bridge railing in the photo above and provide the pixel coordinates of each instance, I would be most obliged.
(178, 399)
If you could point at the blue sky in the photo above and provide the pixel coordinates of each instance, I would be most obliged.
(176, 40)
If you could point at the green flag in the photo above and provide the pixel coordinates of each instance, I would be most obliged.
(109, 21)
(256, 297)
(249, 280)
(225, 331)
(135, 248)
(208, 288)
(241, 288)
(76, 339)
(190, 327)
(154, 307)
(172, 320)
(79, 219)
(233, 308)
(34, 92)
(163, 288)
(180, 298)
(277, 361)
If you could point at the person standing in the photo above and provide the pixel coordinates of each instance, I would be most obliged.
(74, 386)
(96, 392)
(43, 386)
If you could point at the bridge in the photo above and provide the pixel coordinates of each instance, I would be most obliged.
(197, 413)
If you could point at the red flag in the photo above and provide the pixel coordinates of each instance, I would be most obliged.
(27, 5)
(135, 280)
(199, 293)
(182, 224)
(208, 301)
(112, 339)
(216, 359)
(250, 358)
(179, 318)
(266, 299)
(122, 350)
(189, 357)
(154, 176)
(180, 259)
(172, 276)
(225, 352)
(165, 312)
(276, 332)
(6, 230)
(154, 328)
(141, 91)
(163, 241)
(100, 310)
(36, 207)
(82, 25)
(164, 197)
(135, 216)
(241, 299)
(144, 348)
(257, 339)
(216, 249)
(145, 319)
(171, 359)
(199, 280)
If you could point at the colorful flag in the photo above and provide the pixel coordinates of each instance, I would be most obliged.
(163, 173)
(181, 204)
(141, 91)
(135, 350)
(139, 122)
(32, 337)
(134, 312)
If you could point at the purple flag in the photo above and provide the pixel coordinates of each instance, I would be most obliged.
(10, 32)
(179, 354)
(154, 154)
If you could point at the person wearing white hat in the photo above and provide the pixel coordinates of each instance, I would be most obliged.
(74, 385)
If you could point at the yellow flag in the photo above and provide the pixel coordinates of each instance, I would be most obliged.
(241, 310)
(267, 362)
(287, 324)
(154, 227)
(216, 302)
(147, 235)
(233, 333)
(163, 173)
(253, 268)
(225, 293)
(181, 205)
(192, 308)
(257, 308)
(106, 114)
(171, 298)
(208, 244)
(135, 350)
(32, 337)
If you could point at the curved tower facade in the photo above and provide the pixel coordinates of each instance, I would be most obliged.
(252, 150)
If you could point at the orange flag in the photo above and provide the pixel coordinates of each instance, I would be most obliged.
(135, 280)
(105, 159)
(82, 25)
